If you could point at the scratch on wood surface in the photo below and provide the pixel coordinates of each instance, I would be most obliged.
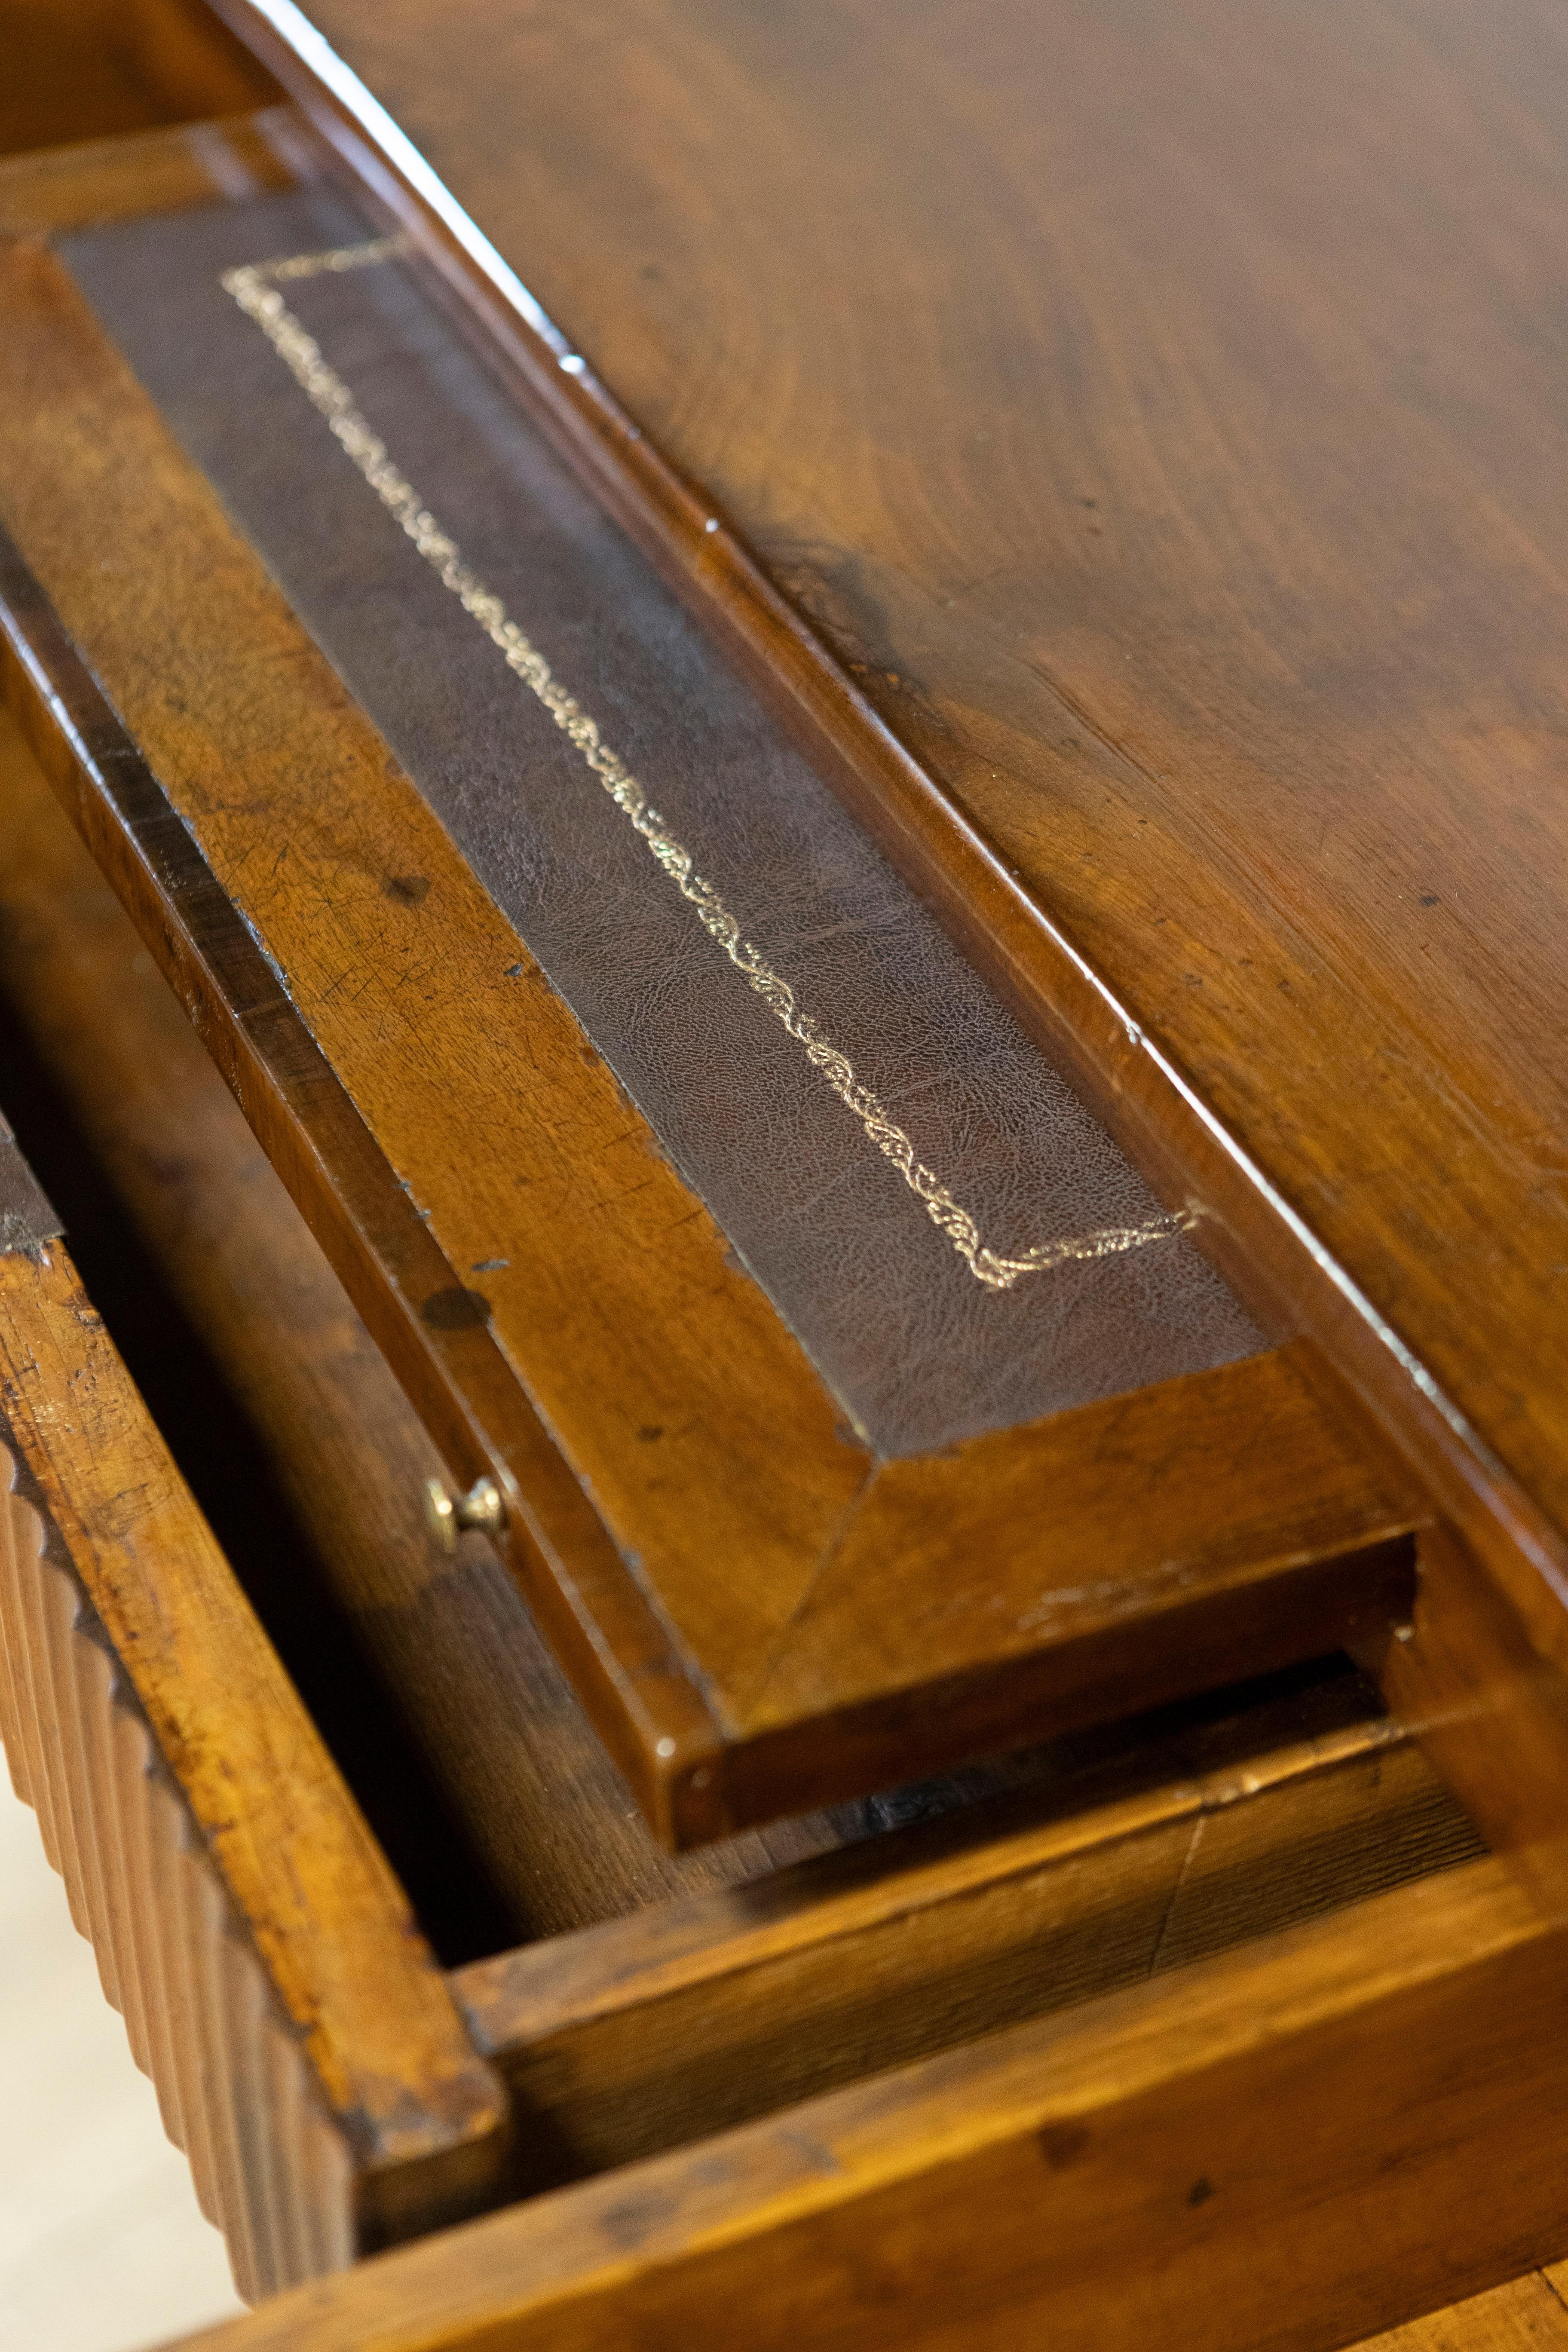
(1199, 1823)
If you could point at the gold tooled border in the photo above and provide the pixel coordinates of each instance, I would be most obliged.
(253, 288)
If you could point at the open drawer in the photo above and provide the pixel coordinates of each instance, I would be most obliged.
(799, 1515)
(1144, 2000)
(1243, 2005)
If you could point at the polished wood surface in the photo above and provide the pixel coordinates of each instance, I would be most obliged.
(666, 1428)
(1140, 434)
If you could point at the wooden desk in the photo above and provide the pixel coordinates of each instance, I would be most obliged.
(1107, 456)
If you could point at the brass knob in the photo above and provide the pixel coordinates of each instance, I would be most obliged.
(447, 1515)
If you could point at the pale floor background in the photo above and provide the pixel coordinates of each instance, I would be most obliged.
(103, 2245)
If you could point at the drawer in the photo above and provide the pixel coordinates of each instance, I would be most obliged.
(1084, 1926)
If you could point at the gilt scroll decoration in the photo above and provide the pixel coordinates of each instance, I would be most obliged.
(255, 289)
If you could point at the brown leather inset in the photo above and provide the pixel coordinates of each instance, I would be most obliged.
(759, 1117)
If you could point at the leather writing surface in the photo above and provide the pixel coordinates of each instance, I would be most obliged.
(803, 1178)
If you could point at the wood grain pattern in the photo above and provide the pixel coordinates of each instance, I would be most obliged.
(271, 2165)
(1525, 2316)
(162, 169)
(1092, 1526)
(1132, 475)
(95, 69)
(632, 1320)
(652, 2032)
(422, 2114)
(1245, 2155)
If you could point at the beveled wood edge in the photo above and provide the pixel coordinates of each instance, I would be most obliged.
(1327, 2089)
(517, 1998)
(271, 2164)
(651, 1716)
(1300, 1610)
(425, 2116)
(1264, 1246)
(170, 169)
(1206, 1499)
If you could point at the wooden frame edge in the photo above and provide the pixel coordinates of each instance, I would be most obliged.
(423, 2116)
